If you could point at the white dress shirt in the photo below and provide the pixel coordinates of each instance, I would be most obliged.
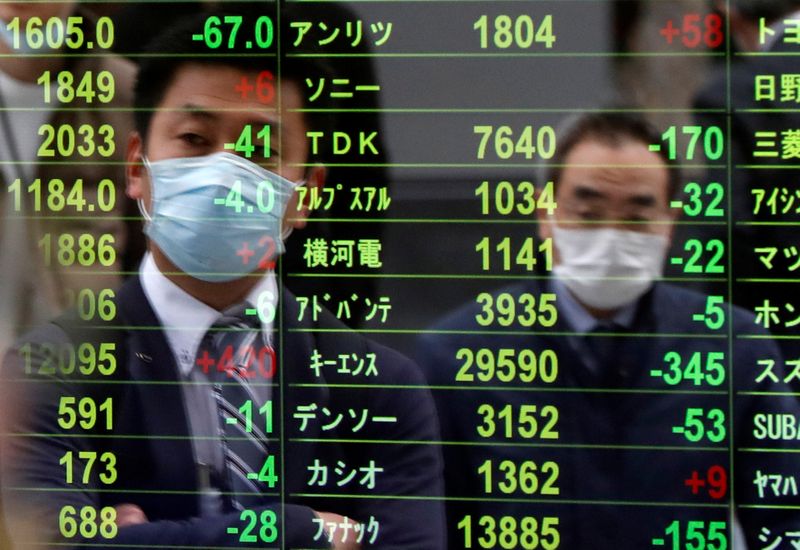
(185, 321)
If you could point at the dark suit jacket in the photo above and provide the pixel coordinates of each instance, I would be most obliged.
(154, 456)
(736, 111)
(610, 469)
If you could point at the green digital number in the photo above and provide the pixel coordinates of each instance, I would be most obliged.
(507, 309)
(694, 427)
(91, 304)
(91, 85)
(84, 141)
(265, 198)
(506, 198)
(704, 201)
(519, 32)
(522, 478)
(507, 143)
(85, 523)
(215, 29)
(55, 33)
(246, 410)
(525, 256)
(523, 423)
(49, 359)
(696, 263)
(267, 473)
(85, 251)
(56, 197)
(711, 371)
(509, 533)
(107, 460)
(507, 365)
(244, 143)
(85, 412)
(714, 314)
(267, 524)
(698, 535)
(713, 141)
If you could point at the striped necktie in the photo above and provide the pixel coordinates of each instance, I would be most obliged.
(236, 344)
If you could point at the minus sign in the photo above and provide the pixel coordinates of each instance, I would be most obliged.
(676, 204)
(251, 311)
(676, 261)
(656, 373)
(219, 201)
(230, 421)
(699, 317)
(654, 148)
(198, 37)
(657, 542)
(233, 530)
(252, 475)
(677, 429)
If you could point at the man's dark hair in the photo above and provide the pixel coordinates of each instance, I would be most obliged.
(609, 128)
(768, 9)
(175, 48)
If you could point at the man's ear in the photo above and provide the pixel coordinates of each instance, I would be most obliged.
(674, 216)
(135, 184)
(544, 220)
(317, 176)
(744, 30)
(297, 214)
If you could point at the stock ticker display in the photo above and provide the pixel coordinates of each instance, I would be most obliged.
(400, 274)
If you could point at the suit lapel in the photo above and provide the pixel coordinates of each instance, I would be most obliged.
(162, 416)
(160, 407)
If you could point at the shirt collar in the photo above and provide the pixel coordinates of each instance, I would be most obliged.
(185, 319)
(581, 320)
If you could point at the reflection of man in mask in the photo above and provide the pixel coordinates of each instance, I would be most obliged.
(612, 227)
(206, 358)
(597, 402)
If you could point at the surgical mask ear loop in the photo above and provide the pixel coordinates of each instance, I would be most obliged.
(140, 202)
(289, 229)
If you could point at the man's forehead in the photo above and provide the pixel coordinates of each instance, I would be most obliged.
(196, 109)
(627, 163)
(210, 91)
(211, 86)
(624, 151)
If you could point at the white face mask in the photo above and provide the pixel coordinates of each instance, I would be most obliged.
(608, 268)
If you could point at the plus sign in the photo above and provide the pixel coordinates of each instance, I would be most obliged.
(695, 482)
(205, 361)
(245, 253)
(669, 31)
(244, 87)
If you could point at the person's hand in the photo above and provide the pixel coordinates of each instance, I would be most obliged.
(349, 543)
(129, 514)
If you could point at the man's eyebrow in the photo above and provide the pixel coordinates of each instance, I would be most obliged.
(583, 191)
(644, 199)
(274, 125)
(196, 111)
